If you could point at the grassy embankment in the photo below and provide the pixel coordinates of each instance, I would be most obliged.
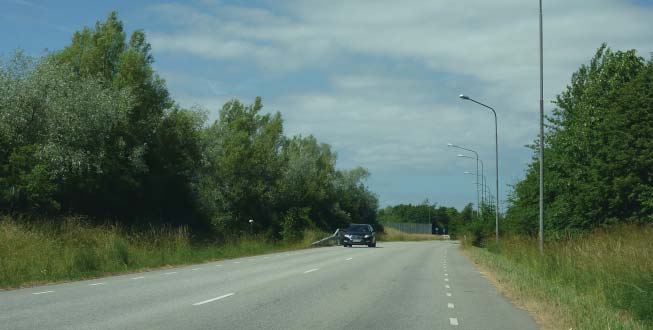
(69, 250)
(390, 235)
(602, 280)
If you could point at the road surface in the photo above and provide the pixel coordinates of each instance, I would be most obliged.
(402, 285)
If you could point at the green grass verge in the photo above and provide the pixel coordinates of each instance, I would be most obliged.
(69, 250)
(603, 280)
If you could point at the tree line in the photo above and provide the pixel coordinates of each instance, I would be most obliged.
(93, 130)
(598, 157)
(427, 213)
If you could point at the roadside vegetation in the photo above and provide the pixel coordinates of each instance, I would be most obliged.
(71, 249)
(598, 280)
(91, 131)
(597, 268)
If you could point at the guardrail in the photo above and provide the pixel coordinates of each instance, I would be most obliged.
(334, 239)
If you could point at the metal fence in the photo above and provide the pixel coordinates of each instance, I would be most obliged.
(410, 228)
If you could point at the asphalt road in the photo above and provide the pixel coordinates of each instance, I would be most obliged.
(411, 285)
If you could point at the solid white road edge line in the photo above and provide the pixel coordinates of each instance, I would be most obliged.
(311, 270)
(213, 299)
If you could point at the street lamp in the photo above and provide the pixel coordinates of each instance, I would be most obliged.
(478, 213)
(251, 226)
(478, 209)
(482, 174)
(496, 156)
(541, 231)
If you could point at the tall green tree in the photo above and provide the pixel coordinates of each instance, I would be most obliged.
(598, 149)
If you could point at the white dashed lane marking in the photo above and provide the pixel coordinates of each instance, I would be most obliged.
(194, 269)
(450, 305)
(138, 278)
(311, 270)
(94, 284)
(42, 292)
(170, 273)
(349, 259)
(213, 299)
(453, 321)
(448, 294)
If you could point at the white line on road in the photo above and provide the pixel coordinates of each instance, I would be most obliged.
(196, 268)
(349, 259)
(43, 292)
(453, 321)
(94, 284)
(237, 262)
(138, 278)
(448, 294)
(311, 270)
(447, 286)
(445, 274)
(218, 265)
(446, 280)
(170, 273)
(450, 305)
(213, 299)
(266, 257)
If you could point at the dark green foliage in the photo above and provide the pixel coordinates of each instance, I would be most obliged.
(92, 130)
(599, 151)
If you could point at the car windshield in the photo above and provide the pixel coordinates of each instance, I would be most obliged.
(358, 228)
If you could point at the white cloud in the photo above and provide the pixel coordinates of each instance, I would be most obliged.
(393, 69)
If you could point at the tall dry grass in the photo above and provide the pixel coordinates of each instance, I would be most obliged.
(33, 253)
(602, 280)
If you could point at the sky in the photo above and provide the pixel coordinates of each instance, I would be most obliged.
(376, 79)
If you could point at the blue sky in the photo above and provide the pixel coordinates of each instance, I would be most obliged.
(377, 79)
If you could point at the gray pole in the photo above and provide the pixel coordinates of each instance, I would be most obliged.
(496, 158)
(541, 232)
(478, 210)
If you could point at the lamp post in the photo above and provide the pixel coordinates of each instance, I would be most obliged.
(478, 214)
(478, 208)
(482, 174)
(496, 156)
(541, 231)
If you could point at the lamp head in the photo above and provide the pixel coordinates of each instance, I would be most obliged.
(461, 155)
(464, 97)
(449, 144)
